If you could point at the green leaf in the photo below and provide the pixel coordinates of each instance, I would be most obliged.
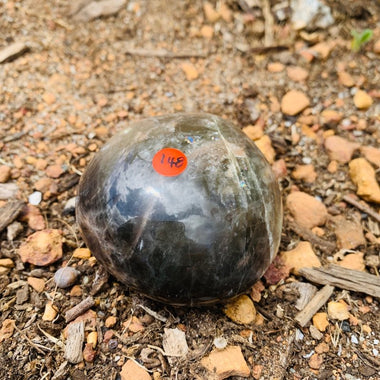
(360, 38)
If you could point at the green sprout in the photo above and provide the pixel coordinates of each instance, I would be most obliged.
(360, 38)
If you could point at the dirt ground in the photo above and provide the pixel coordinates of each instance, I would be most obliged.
(80, 81)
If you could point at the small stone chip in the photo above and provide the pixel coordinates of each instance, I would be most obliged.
(225, 363)
(82, 253)
(190, 71)
(7, 329)
(307, 211)
(241, 310)
(320, 321)
(340, 149)
(294, 102)
(132, 371)
(5, 173)
(42, 248)
(364, 177)
(338, 310)
(7, 263)
(50, 312)
(302, 256)
(362, 100)
(264, 143)
(38, 284)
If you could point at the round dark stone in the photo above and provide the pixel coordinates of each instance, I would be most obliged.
(203, 227)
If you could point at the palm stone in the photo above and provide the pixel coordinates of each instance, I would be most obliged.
(183, 208)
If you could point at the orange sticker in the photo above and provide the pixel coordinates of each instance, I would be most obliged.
(169, 162)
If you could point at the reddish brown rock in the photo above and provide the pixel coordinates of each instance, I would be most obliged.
(376, 47)
(132, 371)
(89, 353)
(322, 348)
(265, 146)
(293, 102)
(322, 49)
(241, 310)
(305, 173)
(340, 149)
(277, 271)
(307, 211)
(50, 312)
(320, 321)
(338, 310)
(7, 328)
(298, 74)
(315, 361)
(33, 216)
(254, 132)
(302, 256)
(225, 363)
(279, 168)
(43, 184)
(363, 176)
(349, 233)
(331, 117)
(82, 253)
(5, 173)
(275, 67)
(42, 248)
(49, 98)
(38, 284)
(354, 261)
(362, 100)
(346, 79)
(211, 14)
(372, 154)
(190, 71)
(54, 171)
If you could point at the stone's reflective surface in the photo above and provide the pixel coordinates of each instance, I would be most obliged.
(200, 235)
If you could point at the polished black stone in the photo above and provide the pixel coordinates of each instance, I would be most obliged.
(205, 234)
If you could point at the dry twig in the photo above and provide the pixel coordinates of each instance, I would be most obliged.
(320, 298)
(344, 278)
(9, 213)
(362, 207)
(79, 309)
(322, 244)
(163, 53)
(269, 22)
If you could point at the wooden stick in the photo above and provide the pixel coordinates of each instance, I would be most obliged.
(79, 309)
(321, 297)
(322, 244)
(9, 213)
(163, 53)
(362, 207)
(268, 22)
(75, 338)
(344, 278)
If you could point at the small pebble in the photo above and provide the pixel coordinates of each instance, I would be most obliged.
(315, 333)
(13, 230)
(220, 342)
(345, 326)
(35, 198)
(309, 355)
(112, 344)
(299, 335)
(69, 208)
(354, 339)
(5, 173)
(65, 277)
